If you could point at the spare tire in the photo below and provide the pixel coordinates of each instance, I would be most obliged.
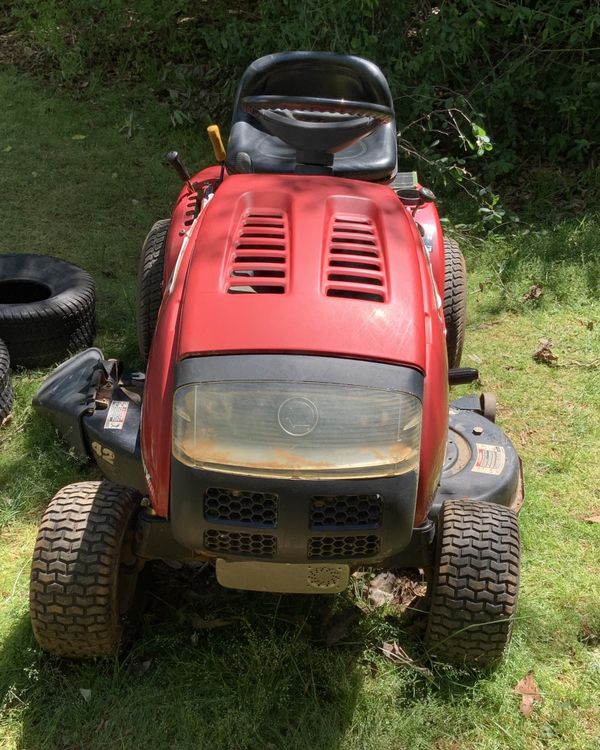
(6, 392)
(47, 308)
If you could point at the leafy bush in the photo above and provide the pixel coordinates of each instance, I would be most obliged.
(525, 72)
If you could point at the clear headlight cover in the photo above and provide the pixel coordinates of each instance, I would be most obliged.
(296, 430)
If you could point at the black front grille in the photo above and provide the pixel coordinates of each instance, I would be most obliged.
(346, 511)
(240, 508)
(240, 543)
(342, 547)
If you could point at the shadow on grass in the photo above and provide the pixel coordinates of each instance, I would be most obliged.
(560, 257)
(263, 678)
(259, 680)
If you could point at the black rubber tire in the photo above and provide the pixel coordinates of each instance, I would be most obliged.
(455, 300)
(6, 391)
(475, 583)
(47, 309)
(150, 284)
(84, 574)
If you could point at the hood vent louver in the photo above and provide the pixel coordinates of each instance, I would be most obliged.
(259, 260)
(355, 264)
(190, 213)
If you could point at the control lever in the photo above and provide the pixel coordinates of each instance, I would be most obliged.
(177, 164)
(427, 195)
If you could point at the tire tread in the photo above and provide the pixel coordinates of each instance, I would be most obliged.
(475, 584)
(150, 284)
(74, 574)
(455, 300)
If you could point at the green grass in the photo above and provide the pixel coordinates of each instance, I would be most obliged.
(267, 680)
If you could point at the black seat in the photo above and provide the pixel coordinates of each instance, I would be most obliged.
(318, 74)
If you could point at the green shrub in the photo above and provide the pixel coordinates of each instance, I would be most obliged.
(525, 72)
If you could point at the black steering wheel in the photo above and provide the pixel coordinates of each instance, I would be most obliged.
(314, 125)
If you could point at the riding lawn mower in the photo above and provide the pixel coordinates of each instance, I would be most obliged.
(302, 317)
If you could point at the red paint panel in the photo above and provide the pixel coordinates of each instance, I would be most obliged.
(292, 233)
(302, 317)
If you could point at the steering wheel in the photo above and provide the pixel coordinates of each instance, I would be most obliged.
(313, 125)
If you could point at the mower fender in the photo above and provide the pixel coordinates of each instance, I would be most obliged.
(481, 462)
(97, 414)
(68, 393)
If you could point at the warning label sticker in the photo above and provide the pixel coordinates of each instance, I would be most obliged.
(490, 459)
(115, 419)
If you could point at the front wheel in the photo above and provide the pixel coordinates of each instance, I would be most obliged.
(84, 573)
(475, 583)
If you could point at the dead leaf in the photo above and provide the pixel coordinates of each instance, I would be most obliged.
(475, 358)
(399, 589)
(544, 352)
(86, 694)
(590, 325)
(593, 519)
(382, 588)
(535, 292)
(396, 654)
(530, 694)
(589, 636)
(199, 623)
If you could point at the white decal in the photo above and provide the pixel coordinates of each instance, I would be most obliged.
(117, 412)
(490, 459)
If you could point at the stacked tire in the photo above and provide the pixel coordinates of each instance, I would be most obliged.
(47, 309)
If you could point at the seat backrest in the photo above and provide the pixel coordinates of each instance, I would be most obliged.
(315, 74)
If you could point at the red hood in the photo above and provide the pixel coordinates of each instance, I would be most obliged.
(315, 240)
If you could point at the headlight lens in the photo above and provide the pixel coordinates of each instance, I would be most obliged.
(296, 430)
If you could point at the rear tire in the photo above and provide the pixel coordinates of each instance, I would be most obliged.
(455, 301)
(6, 391)
(84, 574)
(150, 284)
(475, 583)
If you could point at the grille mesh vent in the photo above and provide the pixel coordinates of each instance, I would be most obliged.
(342, 547)
(346, 511)
(259, 260)
(240, 543)
(355, 266)
(257, 509)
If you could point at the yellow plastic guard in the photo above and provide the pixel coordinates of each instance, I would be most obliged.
(217, 142)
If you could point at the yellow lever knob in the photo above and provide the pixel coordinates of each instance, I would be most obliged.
(217, 142)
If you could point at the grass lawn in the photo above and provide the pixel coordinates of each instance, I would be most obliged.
(266, 680)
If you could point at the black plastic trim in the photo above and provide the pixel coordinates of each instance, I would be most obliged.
(299, 367)
(462, 478)
(293, 531)
(68, 394)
